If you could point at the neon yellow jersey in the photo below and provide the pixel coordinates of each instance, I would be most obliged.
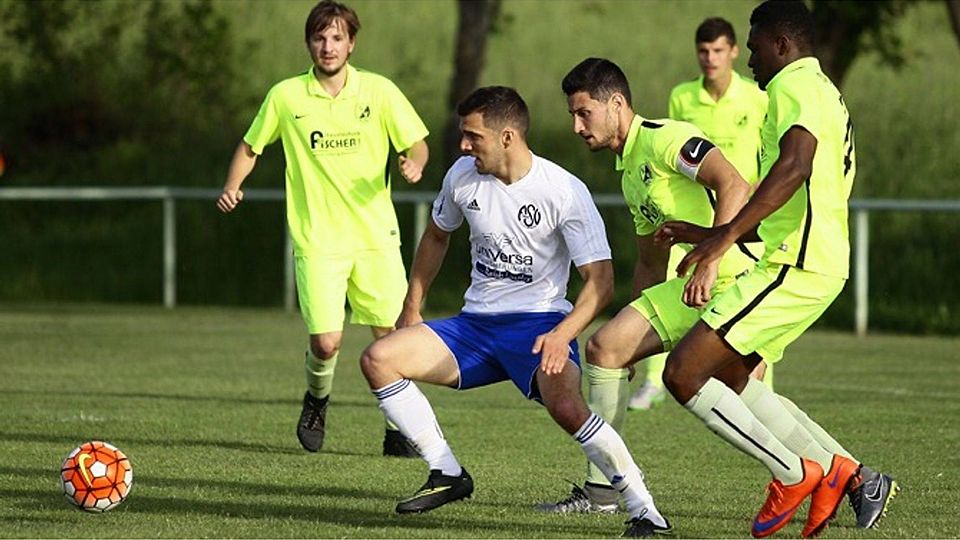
(732, 123)
(810, 231)
(660, 167)
(337, 151)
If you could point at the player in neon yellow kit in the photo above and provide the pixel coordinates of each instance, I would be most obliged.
(799, 211)
(729, 109)
(669, 169)
(337, 125)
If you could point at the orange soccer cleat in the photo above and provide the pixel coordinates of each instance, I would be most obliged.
(782, 501)
(826, 498)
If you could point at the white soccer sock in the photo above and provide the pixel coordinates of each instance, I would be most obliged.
(726, 415)
(607, 395)
(606, 450)
(406, 406)
(763, 403)
(818, 433)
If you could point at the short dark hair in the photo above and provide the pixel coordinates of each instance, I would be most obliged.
(598, 77)
(325, 13)
(787, 17)
(713, 29)
(499, 105)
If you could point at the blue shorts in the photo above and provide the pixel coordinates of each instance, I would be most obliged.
(493, 348)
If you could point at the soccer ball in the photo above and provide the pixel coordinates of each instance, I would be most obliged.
(96, 476)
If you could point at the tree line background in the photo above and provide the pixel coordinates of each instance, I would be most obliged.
(159, 92)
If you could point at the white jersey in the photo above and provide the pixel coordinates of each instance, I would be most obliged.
(523, 236)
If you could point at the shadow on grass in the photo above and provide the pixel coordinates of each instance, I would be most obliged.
(225, 400)
(221, 444)
(445, 519)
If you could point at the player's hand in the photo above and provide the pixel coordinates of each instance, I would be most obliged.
(680, 232)
(696, 292)
(409, 317)
(229, 200)
(554, 351)
(410, 170)
(708, 250)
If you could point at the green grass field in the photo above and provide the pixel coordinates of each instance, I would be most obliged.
(204, 402)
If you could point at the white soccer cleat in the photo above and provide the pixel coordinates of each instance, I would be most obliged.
(646, 397)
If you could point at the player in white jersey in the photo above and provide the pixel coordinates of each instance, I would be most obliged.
(529, 219)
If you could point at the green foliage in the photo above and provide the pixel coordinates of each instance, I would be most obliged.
(158, 93)
(204, 402)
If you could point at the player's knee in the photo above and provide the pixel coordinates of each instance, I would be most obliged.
(371, 362)
(676, 381)
(600, 355)
(324, 348)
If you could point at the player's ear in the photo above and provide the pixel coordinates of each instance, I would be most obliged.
(782, 43)
(734, 52)
(507, 136)
(616, 102)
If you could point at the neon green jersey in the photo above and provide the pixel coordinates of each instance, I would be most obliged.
(732, 123)
(660, 162)
(337, 151)
(810, 231)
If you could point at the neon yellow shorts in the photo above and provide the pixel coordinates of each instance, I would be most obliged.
(662, 305)
(374, 282)
(769, 308)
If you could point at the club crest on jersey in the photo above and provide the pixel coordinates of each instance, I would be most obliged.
(742, 120)
(363, 112)
(529, 216)
(646, 175)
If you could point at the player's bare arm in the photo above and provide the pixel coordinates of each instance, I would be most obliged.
(732, 192)
(596, 294)
(241, 165)
(788, 173)
(413, 161)
(426, 264)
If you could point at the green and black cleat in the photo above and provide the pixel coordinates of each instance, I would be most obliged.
(439, 490)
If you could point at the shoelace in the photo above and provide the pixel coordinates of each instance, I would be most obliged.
(638, 518)
(576, 496)
(313, 421)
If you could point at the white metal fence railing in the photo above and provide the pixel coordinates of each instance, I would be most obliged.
(860, 209)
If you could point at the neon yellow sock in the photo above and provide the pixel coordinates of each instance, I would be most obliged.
(607, 395)
(319, 374)
(655, 366)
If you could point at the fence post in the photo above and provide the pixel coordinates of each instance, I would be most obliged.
(862, 270)
(421, 212)
(289, 280)
(169, 252)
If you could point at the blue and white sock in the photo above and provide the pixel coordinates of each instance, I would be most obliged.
(406, 406)
(605, 449)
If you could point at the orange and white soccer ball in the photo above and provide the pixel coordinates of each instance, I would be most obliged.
(96, 476)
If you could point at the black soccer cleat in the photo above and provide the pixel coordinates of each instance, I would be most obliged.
(313, 419)
(396, 445)
(439, 490)
(870, 495)
(641, 527)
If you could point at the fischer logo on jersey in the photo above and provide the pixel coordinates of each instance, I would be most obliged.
(334, 144)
